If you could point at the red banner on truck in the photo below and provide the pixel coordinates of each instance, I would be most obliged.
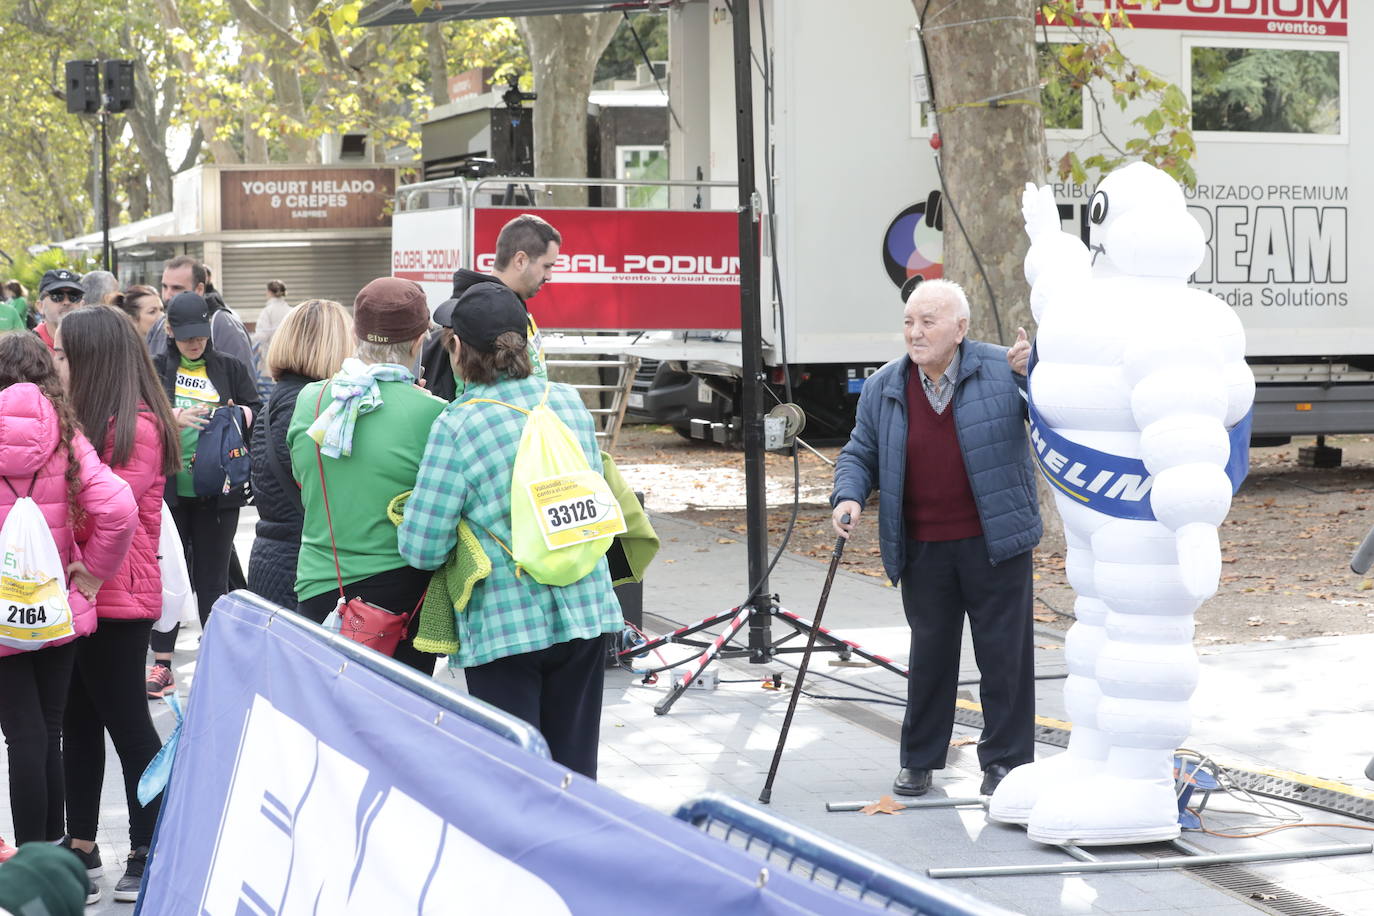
(621, 269)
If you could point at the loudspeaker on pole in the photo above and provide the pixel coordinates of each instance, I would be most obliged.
(83, 86)
(119, 85)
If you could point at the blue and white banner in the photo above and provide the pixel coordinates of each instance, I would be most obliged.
(314, 778)
(1113, 484)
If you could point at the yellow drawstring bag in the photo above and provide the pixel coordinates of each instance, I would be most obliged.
(563, 515)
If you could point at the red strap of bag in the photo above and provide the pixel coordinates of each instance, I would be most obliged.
(324, 493)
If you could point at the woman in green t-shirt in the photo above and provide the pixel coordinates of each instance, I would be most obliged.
(16, 298)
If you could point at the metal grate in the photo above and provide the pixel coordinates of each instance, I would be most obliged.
(1312, 796)
(1256, 890)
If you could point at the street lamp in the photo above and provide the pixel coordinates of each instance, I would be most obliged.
(84, 96)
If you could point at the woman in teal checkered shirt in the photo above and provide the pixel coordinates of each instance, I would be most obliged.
(533, 650)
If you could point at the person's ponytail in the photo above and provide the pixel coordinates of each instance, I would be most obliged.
(510, 356)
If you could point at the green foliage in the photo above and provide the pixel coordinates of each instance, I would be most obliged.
(622, 56)
(1060, 100)
(1095, 61)
(494, 43)
(1266, 89)
(29, 269)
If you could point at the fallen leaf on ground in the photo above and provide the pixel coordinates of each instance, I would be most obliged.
(885, 805)
(963, 741)
(1049, 647)
(726, 541)
(1044, 618)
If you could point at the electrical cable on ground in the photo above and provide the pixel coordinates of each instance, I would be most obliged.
(1250, 836)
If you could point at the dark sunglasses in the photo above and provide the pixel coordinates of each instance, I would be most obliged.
(58, 295)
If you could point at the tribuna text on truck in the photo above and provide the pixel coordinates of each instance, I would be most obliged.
(1274, 17)
(1268, 246)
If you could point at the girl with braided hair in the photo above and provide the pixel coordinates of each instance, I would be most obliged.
(92, 517)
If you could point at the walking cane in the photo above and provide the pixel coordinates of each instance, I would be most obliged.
(767, 794)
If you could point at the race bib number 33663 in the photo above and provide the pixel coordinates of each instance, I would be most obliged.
(575, 508)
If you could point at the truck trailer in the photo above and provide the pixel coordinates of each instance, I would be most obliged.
(854, 182)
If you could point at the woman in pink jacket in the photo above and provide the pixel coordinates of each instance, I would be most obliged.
(118, 402)
(39, 443)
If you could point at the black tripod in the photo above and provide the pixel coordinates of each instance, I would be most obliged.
(761, 609)
(735, 620)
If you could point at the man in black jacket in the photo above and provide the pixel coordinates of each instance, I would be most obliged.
(184, 274)
(526, 250)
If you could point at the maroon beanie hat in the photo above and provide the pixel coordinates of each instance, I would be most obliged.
(390, 310)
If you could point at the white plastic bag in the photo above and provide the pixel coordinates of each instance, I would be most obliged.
(34, 610)
(178, 600)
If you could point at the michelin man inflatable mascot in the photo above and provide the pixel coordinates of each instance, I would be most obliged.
(1140, 399)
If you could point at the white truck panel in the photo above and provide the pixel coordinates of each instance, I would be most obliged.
(847, 164)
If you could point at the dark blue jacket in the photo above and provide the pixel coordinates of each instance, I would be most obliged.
(989, 419)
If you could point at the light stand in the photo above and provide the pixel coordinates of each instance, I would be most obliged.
(759, 602)
(760, 607)
(104, 192)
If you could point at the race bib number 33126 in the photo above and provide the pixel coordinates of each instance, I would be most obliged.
(575, 508)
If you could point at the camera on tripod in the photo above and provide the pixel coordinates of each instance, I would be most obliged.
(515, 99)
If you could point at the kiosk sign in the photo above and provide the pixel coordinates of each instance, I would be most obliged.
(306, 198)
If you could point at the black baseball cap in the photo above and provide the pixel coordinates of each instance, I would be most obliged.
(188, 315)
(484, 312)
(60, 278)
(443, 314)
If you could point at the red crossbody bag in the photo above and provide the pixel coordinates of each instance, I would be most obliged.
(359, 620)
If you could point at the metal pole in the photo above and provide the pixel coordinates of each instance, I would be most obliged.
(979, 802)
(104, 188)
(1074, 868)
(751, 342)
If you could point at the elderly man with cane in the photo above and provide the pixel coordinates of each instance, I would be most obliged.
(940, 432)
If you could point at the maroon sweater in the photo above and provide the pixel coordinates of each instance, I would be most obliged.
(937, 501)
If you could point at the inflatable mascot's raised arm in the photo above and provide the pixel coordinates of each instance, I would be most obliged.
(1140, 402)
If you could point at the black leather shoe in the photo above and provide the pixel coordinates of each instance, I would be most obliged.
(911, 782)
(992, 776)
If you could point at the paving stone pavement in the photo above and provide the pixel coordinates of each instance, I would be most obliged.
(1296, 706)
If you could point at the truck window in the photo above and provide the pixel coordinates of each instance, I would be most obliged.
(1279, 89)
(649, 163)
(1062, 104)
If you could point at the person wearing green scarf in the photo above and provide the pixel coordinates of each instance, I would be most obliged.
(356, 441)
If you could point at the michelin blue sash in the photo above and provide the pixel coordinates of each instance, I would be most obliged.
(1112, 484)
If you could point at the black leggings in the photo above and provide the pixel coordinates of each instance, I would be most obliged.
(207, 537)
(107, 692)
(557, 690)
(33, 686)
(396, 590)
